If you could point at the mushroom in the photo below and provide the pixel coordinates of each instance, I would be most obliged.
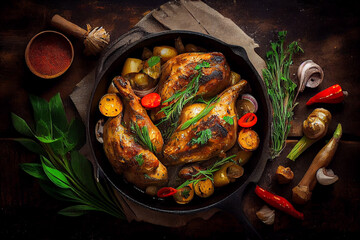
(326, 176)
(99, 130)
(284, 174)
(266, 215)
(310, 75)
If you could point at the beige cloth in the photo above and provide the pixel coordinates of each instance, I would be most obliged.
(174, 15)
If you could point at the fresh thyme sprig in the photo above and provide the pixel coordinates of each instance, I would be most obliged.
(281, 90)
(207, 173)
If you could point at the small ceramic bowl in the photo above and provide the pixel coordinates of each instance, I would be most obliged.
(49, 54)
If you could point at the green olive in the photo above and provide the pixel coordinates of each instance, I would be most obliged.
(227, 173)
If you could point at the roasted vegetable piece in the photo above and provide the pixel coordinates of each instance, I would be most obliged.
(278, 202)
(314, 127)
(179, 46)
(152, 67)
(165, 52)
(132, 65)
(146, 54)
(184, 195)
(333, 94)
(284, 174)
(234, 78)
(141, 81)
(204, 188)
(166, 192)
(227, 173)
(151, 100)
(248, 120)
(302, 192)
(191, 48)
(110, 105)
(243, 156)
(248, 139)
(189, 171)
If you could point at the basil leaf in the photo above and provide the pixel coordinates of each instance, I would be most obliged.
(83, 170)
(57, 177)
(21, 126)
(153, 61)
(41, 113)
(77, 210)
(31, 145)
(139, 159)
(34, 169)
(75, 136)
(58, 114)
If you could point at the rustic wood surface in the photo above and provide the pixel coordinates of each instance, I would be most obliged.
(328, 31)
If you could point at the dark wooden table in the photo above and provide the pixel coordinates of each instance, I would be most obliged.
(328, 31)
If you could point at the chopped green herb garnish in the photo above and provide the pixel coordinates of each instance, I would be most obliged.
(153, 61)
(229, 120)
(203, 137)
(139, 159)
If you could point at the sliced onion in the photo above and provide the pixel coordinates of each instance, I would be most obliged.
(310, 75)
(142, 93)
(251, 99)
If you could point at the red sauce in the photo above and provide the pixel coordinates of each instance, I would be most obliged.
(50, 53)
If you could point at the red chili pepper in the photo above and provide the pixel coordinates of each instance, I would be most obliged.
(248, 120)
(333, 94)
(278, 202)
(151, 100)
(166, 192)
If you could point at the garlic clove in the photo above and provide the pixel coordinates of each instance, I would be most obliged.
(326, 176)
(266, 215)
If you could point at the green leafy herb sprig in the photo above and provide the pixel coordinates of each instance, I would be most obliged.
(207, 173)
(281, 90)
(180, 99)
(202, 137)
(142, 136)
(63, 172)
(153, 60)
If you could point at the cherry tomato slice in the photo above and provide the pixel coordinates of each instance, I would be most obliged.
(151, 100)
(248, 120)
(166, 192)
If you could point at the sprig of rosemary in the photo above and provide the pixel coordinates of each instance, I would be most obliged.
(202, 114)
(207, 173)
(281, 90)
(142, 136)
(181, 98)
(63, 172)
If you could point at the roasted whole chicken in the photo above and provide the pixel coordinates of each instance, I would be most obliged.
(138, 165)
(180, 149)
(178, 72)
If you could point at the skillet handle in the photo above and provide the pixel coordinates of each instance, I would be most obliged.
(109, 56)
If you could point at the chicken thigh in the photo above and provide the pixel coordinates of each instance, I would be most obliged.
(181, 148)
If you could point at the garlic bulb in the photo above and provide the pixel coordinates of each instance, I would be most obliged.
(326, 176)
(266, 215)
(317, 123)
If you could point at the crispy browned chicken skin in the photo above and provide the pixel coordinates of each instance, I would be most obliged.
(180, 70)
(180, 150)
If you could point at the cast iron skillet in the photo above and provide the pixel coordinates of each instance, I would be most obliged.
(226, 198)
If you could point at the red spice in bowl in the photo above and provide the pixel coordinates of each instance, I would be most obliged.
(49, 54)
